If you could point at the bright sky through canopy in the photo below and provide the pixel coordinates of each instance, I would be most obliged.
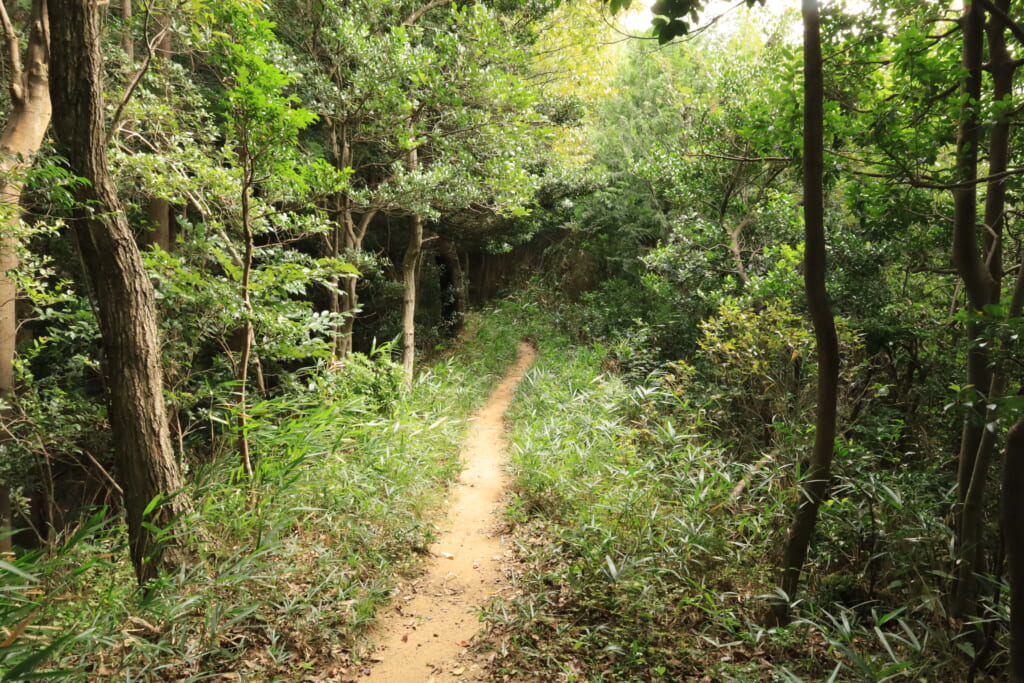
(638, 19)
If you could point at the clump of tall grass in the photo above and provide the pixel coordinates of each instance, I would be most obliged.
(621, 540)
(289, 566)
(649, 553)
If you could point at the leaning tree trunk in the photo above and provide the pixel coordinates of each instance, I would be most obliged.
(127, 314)
(20, 140)
(814, 485)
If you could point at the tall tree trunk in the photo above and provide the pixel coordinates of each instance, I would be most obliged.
(158, 224)
(731, 188)
(1012, 510)
(347, 240)
(454, 313)
(1013, 533)
(971, 547)
(410, 270)
(340, 347)
(127, 313)
(982, 286)
(247, 330)
(127, 35)
(410, 273)
(160, 219)
(6, 526)
(1012, 503)
(344, 300)
(342, 294)
(814, 484)
(348, 306)
(22, 136)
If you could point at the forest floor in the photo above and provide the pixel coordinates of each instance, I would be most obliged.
(426, 634)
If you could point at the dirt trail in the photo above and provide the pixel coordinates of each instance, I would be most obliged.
(433, 618)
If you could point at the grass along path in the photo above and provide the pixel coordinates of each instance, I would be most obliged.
(425, 633)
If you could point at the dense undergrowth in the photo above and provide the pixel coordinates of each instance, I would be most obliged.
(649, 551)
(648, 544)
(289, 566)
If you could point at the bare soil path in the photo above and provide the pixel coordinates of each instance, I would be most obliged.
(425, 633)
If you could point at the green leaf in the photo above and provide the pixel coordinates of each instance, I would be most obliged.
(1013, 403)
(11, 569)
(995, 310)
(153, 504)
(25, 669)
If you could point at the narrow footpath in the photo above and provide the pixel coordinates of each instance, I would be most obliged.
(425, 633)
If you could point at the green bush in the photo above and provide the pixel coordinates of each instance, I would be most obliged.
(755, 373)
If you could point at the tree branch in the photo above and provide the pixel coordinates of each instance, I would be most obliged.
(137, 78)
(745, 160)
(1016, 29)
(14, 54)
(418, 14)
(932, 185)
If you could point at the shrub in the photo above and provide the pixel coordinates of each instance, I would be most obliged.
(756, 373)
